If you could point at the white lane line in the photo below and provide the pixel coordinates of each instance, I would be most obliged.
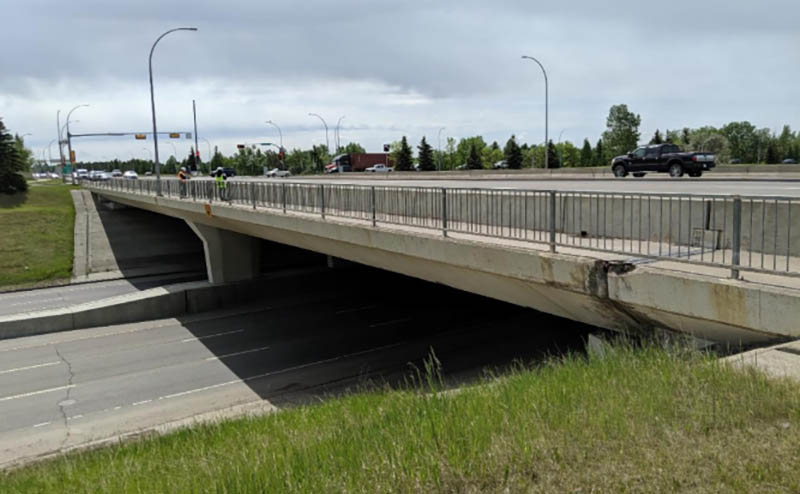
(29, 367)
(386, 323)
(34, 393)
(141, 402)
(356, 309)
(252, 350)
(41, 425)
(75, 417)
(198, 338)
(197, 390)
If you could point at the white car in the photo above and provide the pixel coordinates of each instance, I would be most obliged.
(379, 168)
(278, 173)
(130, 174)
(82, 173)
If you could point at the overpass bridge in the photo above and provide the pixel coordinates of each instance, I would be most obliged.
(720, 267)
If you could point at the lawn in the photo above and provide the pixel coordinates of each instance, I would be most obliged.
(36, 236)
(637, 420)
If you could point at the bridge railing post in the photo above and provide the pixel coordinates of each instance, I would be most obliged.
(552, 225)
(736, 237)
(283, 196)
(444, 211)
(372, 201)
(322, 200)
(253, 193)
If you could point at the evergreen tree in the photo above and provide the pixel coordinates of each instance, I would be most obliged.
(404, 158)
(657, 139)
(586, 153)
(171, 166)
(191, 161)
(426, 163)
(552, 155)
(474, 161)
(11, 164)
(686, 136)
(599, 154)
(512, 153)
(772, 152)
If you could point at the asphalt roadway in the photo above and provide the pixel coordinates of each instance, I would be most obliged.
(66, 389)
(697, 186)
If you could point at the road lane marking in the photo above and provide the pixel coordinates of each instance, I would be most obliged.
(34, 393)
(252, 350)
(37, 366)
(356, 309)
(387, 323)
(41, 425)
(136, 404)
(197, 390)
(197, 338)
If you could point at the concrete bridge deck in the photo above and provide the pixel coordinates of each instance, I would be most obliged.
(618, 291)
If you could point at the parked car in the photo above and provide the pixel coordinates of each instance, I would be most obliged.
(278, 173)
(662, 158)
(130, 174)
(789, 161)
(502, 164)
(379, 168)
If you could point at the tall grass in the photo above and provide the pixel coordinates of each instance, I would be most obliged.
(36, 235)
(635, 420)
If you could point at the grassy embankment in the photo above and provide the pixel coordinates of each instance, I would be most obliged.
(636, 421)
(36, 236)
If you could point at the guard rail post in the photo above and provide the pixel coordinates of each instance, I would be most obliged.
(253, 193)
(736, 241)
(322, 200)
(372, 195)
(444, 211)
(283, 196)
(552, 225)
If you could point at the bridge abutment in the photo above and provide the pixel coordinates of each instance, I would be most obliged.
(230, 256)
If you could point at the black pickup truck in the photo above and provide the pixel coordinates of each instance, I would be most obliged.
(667, 158)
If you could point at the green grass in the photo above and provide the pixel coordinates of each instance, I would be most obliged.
(37, 235)
(636, 421)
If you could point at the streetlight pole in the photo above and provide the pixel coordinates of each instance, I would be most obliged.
(69, 138)
(560, 150)
(440, 148)
(280, 135)
(546, 110)
(153, 103)
(327, 143)
(60, 141)
(338, 142)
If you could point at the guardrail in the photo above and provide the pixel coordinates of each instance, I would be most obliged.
(739, 233)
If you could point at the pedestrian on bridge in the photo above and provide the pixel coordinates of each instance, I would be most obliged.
(220, 179)
(183, 177)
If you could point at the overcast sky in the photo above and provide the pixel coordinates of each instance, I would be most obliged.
(392, 68)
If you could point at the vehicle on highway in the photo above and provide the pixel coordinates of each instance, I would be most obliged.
(379, 168)
(148, 174)
(116, 173)
(130, 174)
(502, 164)
(666, 158)
(53, 175)
(789, 161)
(229, 172)
(278, 173)
(356, 162)
(82, 173)
(103, 176)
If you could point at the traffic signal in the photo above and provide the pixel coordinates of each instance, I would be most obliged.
(240, 146)
(174, 135)
(141, 137)
(386, 148)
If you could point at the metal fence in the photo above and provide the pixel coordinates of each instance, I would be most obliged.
(739, 233)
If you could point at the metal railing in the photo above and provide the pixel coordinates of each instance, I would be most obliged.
(739, 233)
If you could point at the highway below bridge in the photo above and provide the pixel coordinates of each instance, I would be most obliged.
(79, 387)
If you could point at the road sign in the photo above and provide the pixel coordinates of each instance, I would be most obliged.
(66, 170)
(141, 137)
(386, 148)
(72, 156)
(188, 135)
(174, 135)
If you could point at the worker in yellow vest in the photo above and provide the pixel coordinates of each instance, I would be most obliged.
(220, 179)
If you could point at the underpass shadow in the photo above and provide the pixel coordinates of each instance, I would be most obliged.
(324, 334)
